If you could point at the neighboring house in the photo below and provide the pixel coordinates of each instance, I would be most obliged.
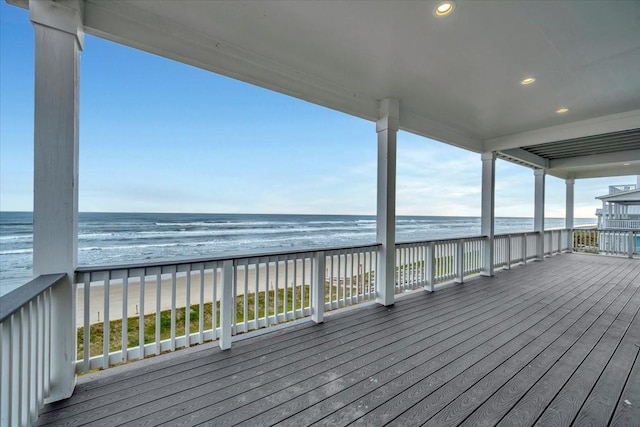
(620, 217)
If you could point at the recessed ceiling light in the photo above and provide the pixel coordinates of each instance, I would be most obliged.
(444, 8)
(562, 110)
(528, 81)
(626, 164)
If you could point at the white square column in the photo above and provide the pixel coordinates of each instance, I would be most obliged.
(58, 42)
(488, 210)
(538, 211)
(568, 223)
(387, 129)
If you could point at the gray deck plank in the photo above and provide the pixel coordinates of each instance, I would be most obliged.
(476, 384)
(537, 398)
(593, 385)
(607, 392)
(456, 359)
(569, 315)
(627, 412)
(312, 406)
(532, 390)
(559, 316)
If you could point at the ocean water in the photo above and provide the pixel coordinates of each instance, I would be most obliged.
(120, 238)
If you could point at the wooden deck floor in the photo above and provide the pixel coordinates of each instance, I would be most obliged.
(553, 343)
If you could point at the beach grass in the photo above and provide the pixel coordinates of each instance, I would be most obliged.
(586, 241)
(96, 335)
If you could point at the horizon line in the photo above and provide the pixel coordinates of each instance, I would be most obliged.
(293, 214)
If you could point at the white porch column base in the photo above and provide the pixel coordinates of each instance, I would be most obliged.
(387, 129)
(58, 41)
(488, 210)
(318, 287)
(226, 306)
(569, 213)
(538, 216)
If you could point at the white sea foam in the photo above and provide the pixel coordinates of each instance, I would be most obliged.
(123, 238)
(16, 251)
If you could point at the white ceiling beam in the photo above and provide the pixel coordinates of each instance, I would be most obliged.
(602, 171)
(617, 158)
(524, 156)
(597, 126)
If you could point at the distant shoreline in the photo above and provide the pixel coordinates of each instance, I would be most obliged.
(124, 238)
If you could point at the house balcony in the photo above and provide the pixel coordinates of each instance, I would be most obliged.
(554, 342)
(621, 224)
(307, 343)
(267, 337)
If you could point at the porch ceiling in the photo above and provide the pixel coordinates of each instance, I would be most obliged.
(457, 78)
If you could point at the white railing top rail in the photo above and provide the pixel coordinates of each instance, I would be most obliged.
(451, 239)
(14, 300)
(621, 224)
(442, 239)
(242, 256)
(522, 233)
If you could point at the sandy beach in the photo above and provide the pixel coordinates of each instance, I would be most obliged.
(164, 286)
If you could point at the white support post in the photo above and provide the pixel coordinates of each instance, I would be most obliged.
(460, 262)
(58, 42)
(559, 242)
(508, 266)
(488, 211)
(431, 270)
(226, 305)
(538, 216)
(387, 129)
(570, 183)
(319, 279)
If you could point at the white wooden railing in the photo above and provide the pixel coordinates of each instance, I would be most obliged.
(268, 289)
(556, 241)
(509, 249)
(621, 224)
(429, 263)
(608, 242)
(25, 362)
(132, 311)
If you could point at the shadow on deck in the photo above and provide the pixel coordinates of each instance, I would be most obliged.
(554, 343)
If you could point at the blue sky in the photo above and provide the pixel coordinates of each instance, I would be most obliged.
(160, 136)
